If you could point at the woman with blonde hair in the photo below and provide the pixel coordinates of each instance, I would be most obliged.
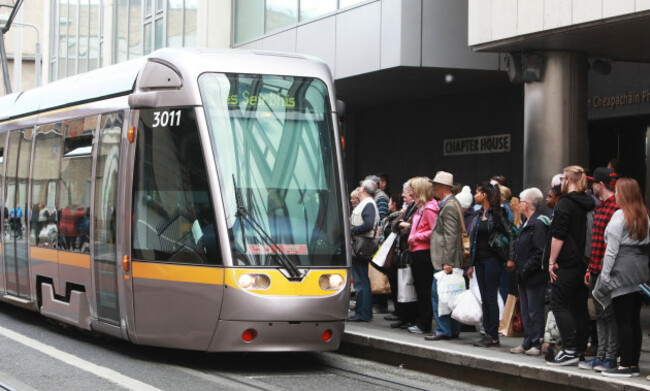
(625, 266)
(423, 221)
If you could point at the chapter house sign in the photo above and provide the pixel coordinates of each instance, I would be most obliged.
(476, 145)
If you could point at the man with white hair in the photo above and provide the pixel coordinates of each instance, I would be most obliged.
(529, 250)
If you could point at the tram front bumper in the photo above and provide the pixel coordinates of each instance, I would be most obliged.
(276, 336)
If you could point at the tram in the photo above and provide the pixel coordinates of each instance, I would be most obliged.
(189, 199)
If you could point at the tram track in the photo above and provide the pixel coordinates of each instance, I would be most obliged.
(320, 365)
(383, 381)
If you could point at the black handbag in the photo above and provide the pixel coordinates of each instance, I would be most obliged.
(364, 248)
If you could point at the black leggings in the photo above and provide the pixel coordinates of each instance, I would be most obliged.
(422, 279)
(627, 309)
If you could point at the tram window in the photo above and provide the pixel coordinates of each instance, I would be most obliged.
(78, 146)
(47, 160)
(274, 149)
(74, 189)
(173, 214)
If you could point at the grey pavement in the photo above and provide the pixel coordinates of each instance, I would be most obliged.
(377, 335)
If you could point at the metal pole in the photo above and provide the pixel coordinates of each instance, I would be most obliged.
(37, 58)
(5, 68)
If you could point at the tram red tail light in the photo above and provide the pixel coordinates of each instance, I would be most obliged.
(327, 335)
(249, 335)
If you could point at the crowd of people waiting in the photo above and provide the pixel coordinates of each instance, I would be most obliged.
(593, 245)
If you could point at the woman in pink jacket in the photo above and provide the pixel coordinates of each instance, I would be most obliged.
(421, 266)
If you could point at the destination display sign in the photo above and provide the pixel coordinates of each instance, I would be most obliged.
(476, 145)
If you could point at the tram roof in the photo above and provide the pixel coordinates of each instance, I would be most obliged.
(120, 79)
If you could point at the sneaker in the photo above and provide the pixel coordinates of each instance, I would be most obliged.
(518, 350)
(605, 364)
(591, 364)
(415, 330)
(487, 342)
(533, 352)
(564, 358)
(635, 371)
(619, 372)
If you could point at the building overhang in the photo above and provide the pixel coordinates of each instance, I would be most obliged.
(622, 38)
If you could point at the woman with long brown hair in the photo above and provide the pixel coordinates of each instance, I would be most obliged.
(625, 266)
(492, 239)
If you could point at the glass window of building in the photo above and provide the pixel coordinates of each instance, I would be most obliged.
(76, 38)
(310, 9)
(255, 18)
(143, 26)
(280, 13)
(249, 20)
(181, 23)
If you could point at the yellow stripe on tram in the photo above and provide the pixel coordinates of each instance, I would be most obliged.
(74, 259)
(44, 254)
(179, 273)
(60, 257)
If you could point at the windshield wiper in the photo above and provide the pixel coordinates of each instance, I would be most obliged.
(280, 256)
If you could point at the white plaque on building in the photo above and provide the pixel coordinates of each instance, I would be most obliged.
(476, 145)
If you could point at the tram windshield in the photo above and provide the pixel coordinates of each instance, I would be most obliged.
(274, 146)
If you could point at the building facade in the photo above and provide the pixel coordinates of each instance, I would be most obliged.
(585, 68)
(418, 98)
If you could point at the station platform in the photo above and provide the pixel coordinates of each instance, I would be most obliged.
(494, 367)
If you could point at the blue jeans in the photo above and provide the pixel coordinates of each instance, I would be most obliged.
(488, 275)
(504, 284)
(361, 282)
(531, 300)
(446, 325)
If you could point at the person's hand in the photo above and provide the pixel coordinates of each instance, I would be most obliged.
(510, 266)
(470, 272)
(552, 267)
(404, 224)
(448, 269)
(587, 278)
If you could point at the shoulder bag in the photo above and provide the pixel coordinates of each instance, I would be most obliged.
(465, 239)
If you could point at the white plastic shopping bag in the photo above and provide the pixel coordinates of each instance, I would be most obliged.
(449, 285)
(467, 309)
(380, 257)
(405, 285)
(473, 286)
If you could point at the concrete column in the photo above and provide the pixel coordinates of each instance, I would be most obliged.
(555, 119)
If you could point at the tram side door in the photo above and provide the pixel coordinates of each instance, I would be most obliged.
(176, 271)
(104, 219)
(14, 241)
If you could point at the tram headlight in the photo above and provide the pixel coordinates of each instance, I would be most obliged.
(254, 281)
(331, 281)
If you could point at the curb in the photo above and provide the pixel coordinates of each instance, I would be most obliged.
(561, 376)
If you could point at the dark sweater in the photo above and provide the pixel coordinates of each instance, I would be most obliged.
(569, 225)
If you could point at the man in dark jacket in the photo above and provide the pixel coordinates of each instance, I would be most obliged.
(567, 266)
